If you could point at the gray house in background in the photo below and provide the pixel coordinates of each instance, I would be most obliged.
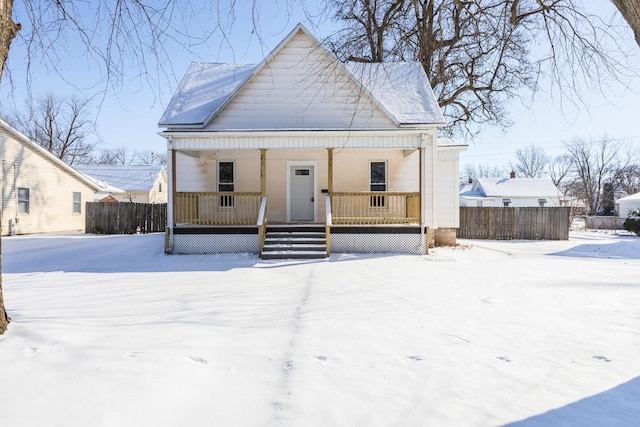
(510, 192)
(128, 183)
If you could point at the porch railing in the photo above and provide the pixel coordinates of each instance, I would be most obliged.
(375, 207)
(217, 208)
(262, 223)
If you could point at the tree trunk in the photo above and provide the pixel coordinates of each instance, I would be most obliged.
(8, 31)
(630, 10)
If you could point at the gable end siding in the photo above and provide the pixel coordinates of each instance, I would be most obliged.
(283, 96)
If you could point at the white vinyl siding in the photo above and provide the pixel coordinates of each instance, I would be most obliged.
(301, 88)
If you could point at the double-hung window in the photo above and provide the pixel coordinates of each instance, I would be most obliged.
(378, 182)
(77, 202)
(23, 200)
(226, 183)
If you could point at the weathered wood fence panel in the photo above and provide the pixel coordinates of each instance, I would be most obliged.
(514, 223)
(125, 218)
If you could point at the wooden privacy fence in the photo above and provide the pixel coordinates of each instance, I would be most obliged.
(514, 223)
(125, 218)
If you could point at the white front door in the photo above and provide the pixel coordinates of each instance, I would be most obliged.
(301, 193)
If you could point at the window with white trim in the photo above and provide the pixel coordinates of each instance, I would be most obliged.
(378, 182)
(542, 202)
(23, 200)
(226, 182)
(77, 202)
(506, 202)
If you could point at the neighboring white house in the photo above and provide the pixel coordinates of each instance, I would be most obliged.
(40, 193)
(128, 183)
(510, 192)
(626, 204)
(302, 138)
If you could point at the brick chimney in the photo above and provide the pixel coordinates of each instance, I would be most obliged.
(512, 174)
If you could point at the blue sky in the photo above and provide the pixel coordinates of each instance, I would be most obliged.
(130, 117)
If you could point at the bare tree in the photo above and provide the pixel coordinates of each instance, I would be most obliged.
(123, 156)
(630, 10)
(558, 169)
(471, 173)
(148, 157)
(479, 54)
(531, 162)
(629, 179)
(60, 126)
(595, 163)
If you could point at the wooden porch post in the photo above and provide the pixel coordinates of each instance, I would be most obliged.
(330, 172)
(173, 187)
(420, 197)
(263, 172)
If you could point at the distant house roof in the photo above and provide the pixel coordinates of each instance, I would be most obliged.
(47, 155)
(402, 90)
(515, 187)
(629, 198)
(120, 178)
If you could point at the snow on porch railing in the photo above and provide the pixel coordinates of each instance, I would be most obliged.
(217, 208)
(375, 207)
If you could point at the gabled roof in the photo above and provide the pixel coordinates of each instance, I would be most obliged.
(22, 138)
(119, 178)
(516, 187)
(401, 90)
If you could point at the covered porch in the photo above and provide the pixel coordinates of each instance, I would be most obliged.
(339, 200)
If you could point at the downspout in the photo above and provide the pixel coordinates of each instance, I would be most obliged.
(171, 178)
(15, 189)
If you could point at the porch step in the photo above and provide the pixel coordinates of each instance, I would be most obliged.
(294, 242)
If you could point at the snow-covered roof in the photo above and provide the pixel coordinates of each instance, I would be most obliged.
(203, 90)
(401, 89)
(516, 187)
(22, 138)
(121, 178)
(629, 198)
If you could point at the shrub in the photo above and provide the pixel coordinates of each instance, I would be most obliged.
(632, 223)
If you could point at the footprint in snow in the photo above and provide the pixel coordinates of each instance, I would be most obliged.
(602, 358)
(288, 365)
(504, 359)
(320, 358)
(196, 360)
(415, 358)
(30, 351)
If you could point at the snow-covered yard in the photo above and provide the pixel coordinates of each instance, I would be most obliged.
(109, 331)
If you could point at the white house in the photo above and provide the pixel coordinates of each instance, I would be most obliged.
(626, 204)
(510, 192)
(346, 152)
(128, 183)
(40, 193)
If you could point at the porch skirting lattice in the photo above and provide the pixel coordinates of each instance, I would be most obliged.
(205, 241)
(344, 239)
(400, 241)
